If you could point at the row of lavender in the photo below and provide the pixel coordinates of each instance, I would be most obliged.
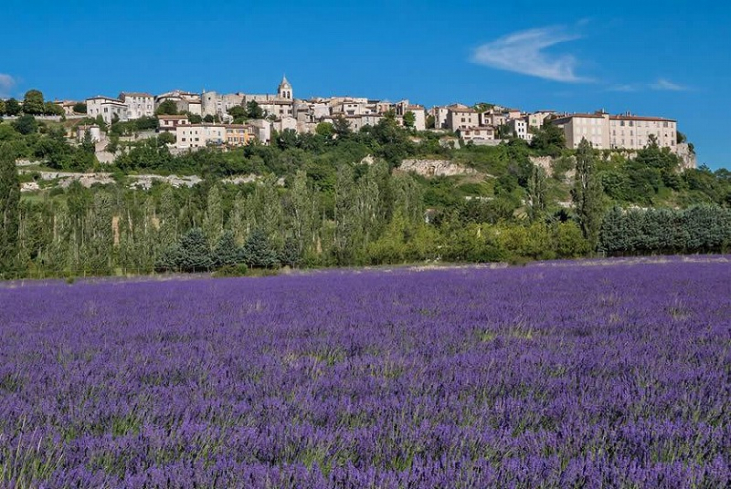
(568, 375)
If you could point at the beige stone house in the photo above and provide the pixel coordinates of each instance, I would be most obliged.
(625, 131)
(138, 104)
(461, 117)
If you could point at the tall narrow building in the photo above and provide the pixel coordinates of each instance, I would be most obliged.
(285, 89)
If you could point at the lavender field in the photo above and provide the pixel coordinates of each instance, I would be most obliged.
(551, 375)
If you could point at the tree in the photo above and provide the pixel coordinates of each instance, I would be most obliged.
(430, 121)
(226, 253)
(80, 108)
(341, 126)
(536, 193)
(213, 219)
(9, 206)
(12, 107)
(549, 140)
(290, 255)
(51, 108)
(325, 129)
(483, 106)
(33, 102)
(286, 139)
(87, 144)
(303, 214)
(2, 107)
(166, 138)
(208, 119)
(193, 254)
(253, 111)
(25, 124)
(195, 118)
(238, 112)
(587, 193)
(652, 156)
(409, 120)
(113, 145)
(257, 251)
(167, 107)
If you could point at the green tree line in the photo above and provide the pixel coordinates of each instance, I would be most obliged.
(316, 204)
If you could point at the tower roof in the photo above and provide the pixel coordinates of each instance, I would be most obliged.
(284, 83)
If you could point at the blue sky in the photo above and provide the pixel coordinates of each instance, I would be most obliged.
(662, 58)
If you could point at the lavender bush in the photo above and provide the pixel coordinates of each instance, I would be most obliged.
(569, 375)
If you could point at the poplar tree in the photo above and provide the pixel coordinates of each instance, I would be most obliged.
(9, 207)
(213, 218)
(536, 192)
(304, 216)
(587, 193)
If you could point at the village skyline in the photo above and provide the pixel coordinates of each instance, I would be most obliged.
(645, 58)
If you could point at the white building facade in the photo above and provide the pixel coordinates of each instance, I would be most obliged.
(110, 109)
(138, 104)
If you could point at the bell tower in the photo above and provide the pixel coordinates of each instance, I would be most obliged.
(285, 89)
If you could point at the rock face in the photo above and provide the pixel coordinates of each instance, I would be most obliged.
(65, 178)
(548, 164)
(687, 156)
(251, 178)
(435, 168)
(29, 187)
(545, 162)
(145, 181)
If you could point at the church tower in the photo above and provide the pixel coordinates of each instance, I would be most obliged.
(285, 89)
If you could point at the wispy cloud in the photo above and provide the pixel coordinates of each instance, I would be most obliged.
(7, 82)
(660, 84)
(627, 87)
(665, 84)
(525, 52)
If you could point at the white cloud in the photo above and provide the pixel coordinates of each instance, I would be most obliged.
(524, 52)
(7, 82)
(664, 84)
(624, 88)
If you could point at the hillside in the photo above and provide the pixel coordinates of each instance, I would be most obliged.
(382, 195)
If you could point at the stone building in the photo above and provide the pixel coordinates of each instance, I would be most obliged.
(626, 131)
(138, 104)
(109, 108)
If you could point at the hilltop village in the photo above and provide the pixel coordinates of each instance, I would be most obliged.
(198, 182)
(198, 120)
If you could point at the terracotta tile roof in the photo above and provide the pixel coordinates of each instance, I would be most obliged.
(135, 94)
(638, 118)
